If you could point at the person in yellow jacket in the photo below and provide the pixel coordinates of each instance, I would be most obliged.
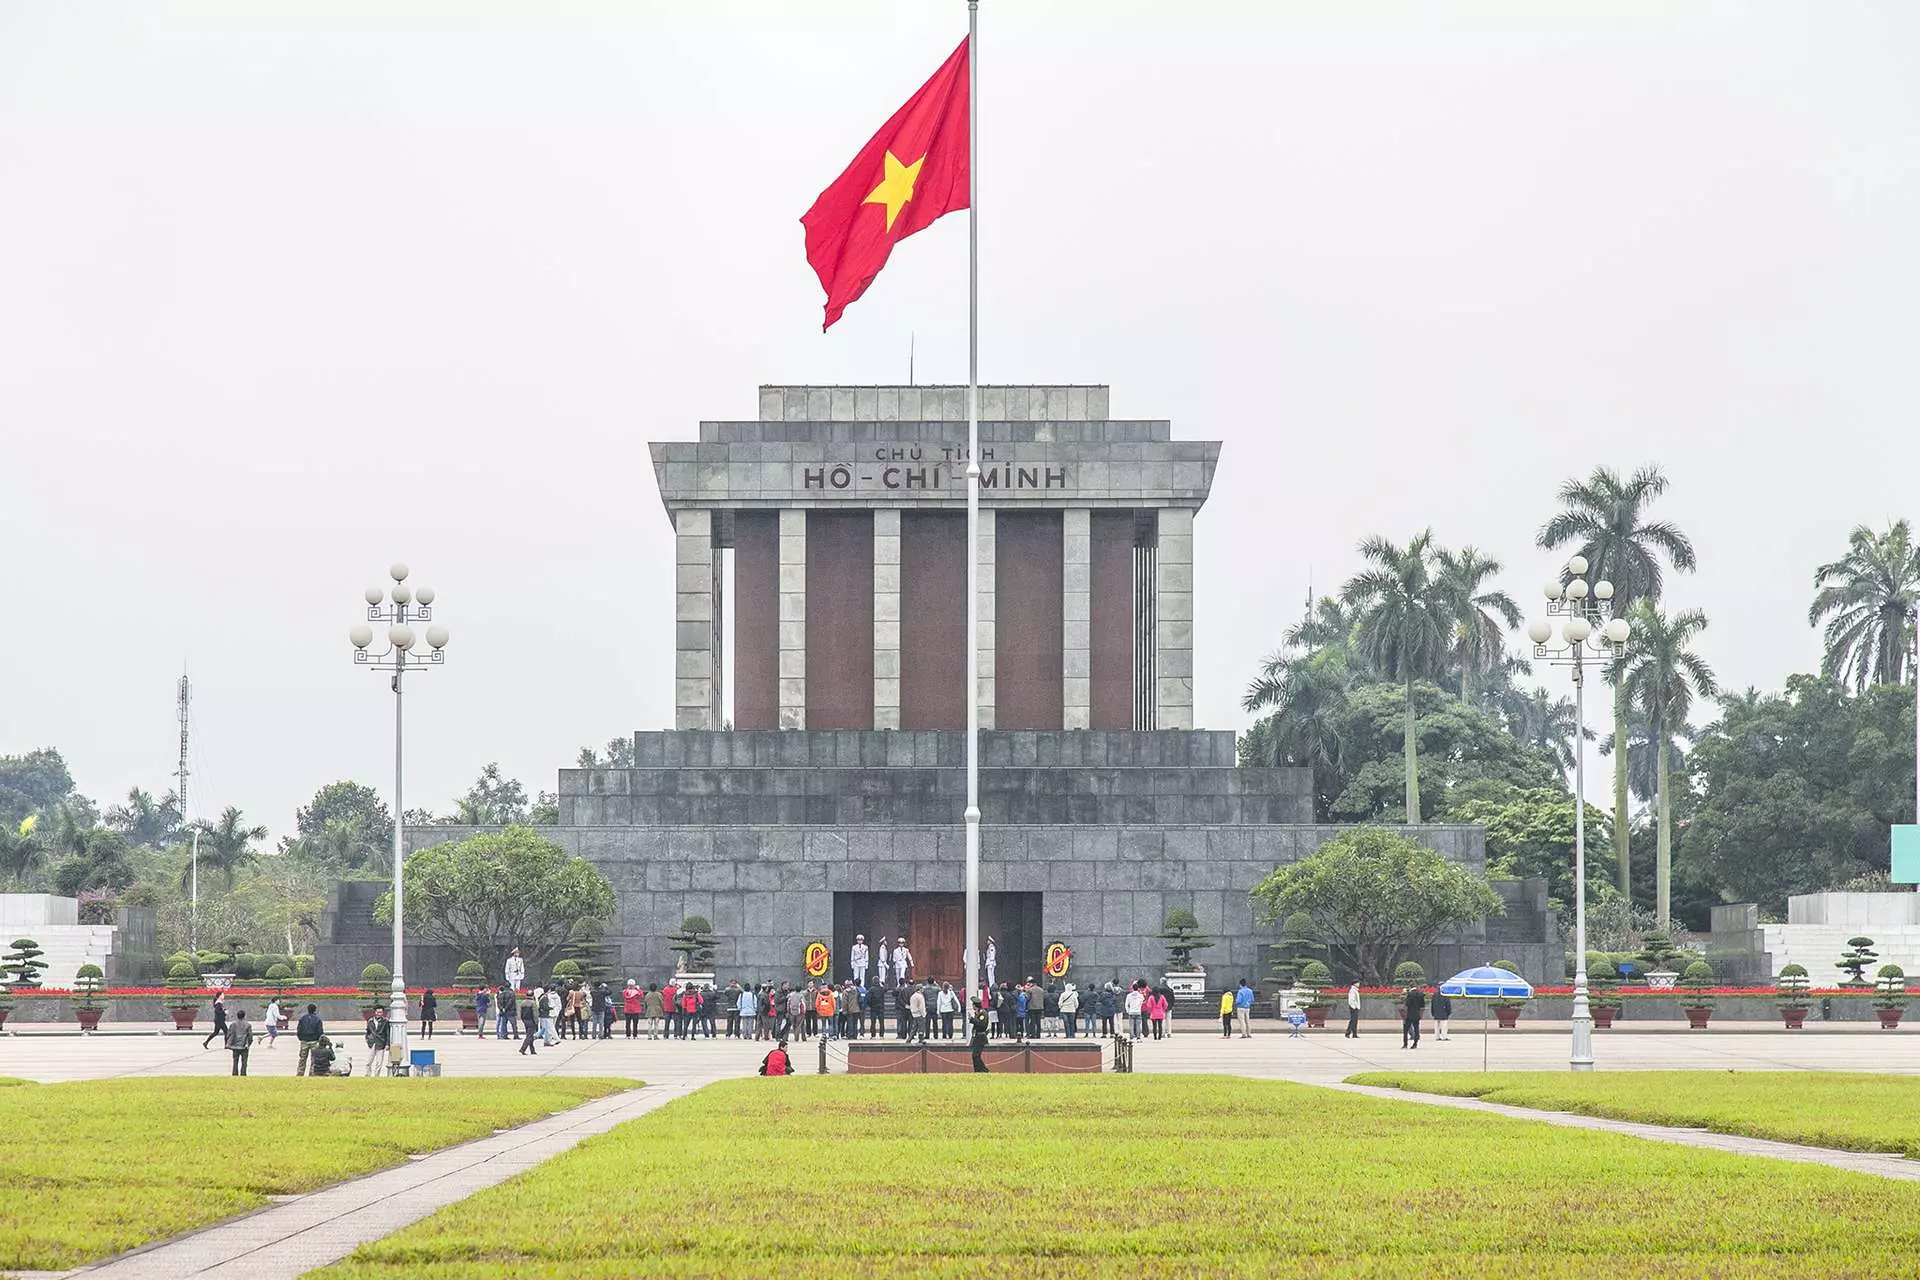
(1226, 1015)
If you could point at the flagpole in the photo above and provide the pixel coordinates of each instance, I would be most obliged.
(973, 497)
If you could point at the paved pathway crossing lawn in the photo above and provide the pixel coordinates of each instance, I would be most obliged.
(91, 1169)
(1163, 1176)
(1851, 1111)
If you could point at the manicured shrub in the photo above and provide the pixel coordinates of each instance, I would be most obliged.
(88, 981)
(1409, 974)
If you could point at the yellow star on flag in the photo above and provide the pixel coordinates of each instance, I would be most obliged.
(896, 188)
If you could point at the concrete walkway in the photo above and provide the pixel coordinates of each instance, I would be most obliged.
(293, 1237)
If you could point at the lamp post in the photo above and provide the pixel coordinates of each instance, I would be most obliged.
(1589, 631)
(398, 606)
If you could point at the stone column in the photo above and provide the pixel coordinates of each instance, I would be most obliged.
(1077, 646)
(695, 661)
(985, 693)
(886, 618)
(793, 619)
(1173, 632)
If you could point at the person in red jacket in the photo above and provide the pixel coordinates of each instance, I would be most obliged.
(689, 1006)
(777, 1063)
(631, 1001)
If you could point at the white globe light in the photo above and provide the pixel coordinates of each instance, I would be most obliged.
(362, 636)
(436, 636)
(1577, 566)
(1618, 630)
(1603, 590)
(374, 595)
(398, 571)
(1577, 630)
(1577, 589)
(402, 593)
(1553, 591)
(400, 637)
(1540, 632)
(424, 595)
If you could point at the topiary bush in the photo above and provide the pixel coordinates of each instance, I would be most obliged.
(183, 983)
(1603, 982)
(695, 941)
(376, 981)
(303, 966)
(568, 970)
(1694, 982)
(88, 980)
(1506, 1002)
(1181, 932)
(1315, 978)
(1890, 987)
(278, 977)
(23, 965)
(1854, 961)
(1793, 988)
(468, 978)
(1409, 974)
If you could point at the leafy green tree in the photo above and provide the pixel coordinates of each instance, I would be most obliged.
(1867, 598)
(347, 824)
(1374, 895)
(32, 783)
(1531, 833)
(1662, 677)
(147, 822)
(22, 848)
(492, 801)
(498, 890)
(546, 810)
(619, 755)
(1550, 725)
(1458, 745)
(1404, 625)
(226, 845)
(1798, 789)
(1604, 519)
(1482, 616)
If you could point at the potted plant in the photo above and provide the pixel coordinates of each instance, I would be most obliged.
(1793, 994)
(1854, 961)
(1657, 957)
(1603, 989)
(467, 979)
(1315, 978)
(23, 965)
(279, 978)
(376, 984)
(183, 993)
(695, 943)
(1694, 1000)
(1181, 933)
(1890, 995)
(88, 980)
(1506, 1012)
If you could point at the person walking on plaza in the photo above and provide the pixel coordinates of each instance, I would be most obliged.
(653, 1005)
(1442, 1010)
(379, 1035)
(1136, 1013)
(482, 1010)
(747, 1004)
(1243, 1009)
(507, 1013)
(1410, 1026)
(308, 1031)
(1226, 1015)
(977, 1037)
(429, 1011)
(632, 1004)
(271, 1021)
(516, 971)
(239, 1042)
(219, 1021)
(1069, 1009)
(1156, 1006)
(1353, 1012)
(530, 1021)
(917, 1008)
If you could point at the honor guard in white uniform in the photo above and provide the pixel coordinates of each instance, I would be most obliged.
(993, 959)
(902, 961)
(858, 957)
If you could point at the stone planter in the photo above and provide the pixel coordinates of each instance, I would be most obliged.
(1697, 1018)
(1192, 983)
(183, 1018)
(1507, 1015)
(1317, 1015)
(89, 1018)
(216, 981)
(1889, 1018)
(1603, 1018)
(1795, 1018)
(469, 1018)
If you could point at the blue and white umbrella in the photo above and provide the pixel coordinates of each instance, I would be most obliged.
(1486, 983)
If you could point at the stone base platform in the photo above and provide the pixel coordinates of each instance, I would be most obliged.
(1006, 1057)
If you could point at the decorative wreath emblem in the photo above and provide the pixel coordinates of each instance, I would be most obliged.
(1059, 956)
(818, 958)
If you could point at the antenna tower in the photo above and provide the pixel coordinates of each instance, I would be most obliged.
(183, 699)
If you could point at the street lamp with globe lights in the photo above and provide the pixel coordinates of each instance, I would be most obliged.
(398, 607)
(1590, 632)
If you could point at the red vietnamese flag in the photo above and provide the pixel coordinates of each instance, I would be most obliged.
(911, 172)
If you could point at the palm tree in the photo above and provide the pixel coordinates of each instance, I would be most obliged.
(1870, 593)
(1482, 617)
(145, 821)
(1662, 677)
(1404, 626)
(1603, 517)
(1549, 724)
(20, 848)
(1305, 695)
(227, 845)
(1641, 781)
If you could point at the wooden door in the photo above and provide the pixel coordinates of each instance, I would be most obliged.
(936, 934)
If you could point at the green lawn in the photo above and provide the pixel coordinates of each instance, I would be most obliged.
(95, 1168)
(899, 1178)
(1854, 1112)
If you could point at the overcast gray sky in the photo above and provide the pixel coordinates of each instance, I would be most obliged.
(290, 291)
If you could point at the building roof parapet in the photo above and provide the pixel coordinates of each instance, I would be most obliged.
(1063, 403)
